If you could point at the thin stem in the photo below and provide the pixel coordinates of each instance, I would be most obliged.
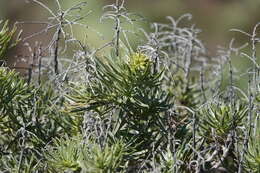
(254, 41)
(29, 74)
(56, 62)
(194, 130)
(202, 84)
(39, 66)
(117, 27)
(250, 107)
(22, 149)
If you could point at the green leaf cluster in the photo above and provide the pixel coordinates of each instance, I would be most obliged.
(6, 36)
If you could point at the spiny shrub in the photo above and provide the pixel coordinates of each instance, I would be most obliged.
(218, 120)
(30, 117)
(162, 107)
(74, 156)
(128, 89)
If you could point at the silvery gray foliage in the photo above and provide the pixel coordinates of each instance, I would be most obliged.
(63, 21)
(119, 15)
(174, 46)
(184, 119)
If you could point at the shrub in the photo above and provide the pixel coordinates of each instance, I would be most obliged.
(162, 107)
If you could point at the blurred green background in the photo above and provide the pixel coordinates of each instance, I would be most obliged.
(214, 17)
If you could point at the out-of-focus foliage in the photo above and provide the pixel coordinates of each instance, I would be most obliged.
(6, 36)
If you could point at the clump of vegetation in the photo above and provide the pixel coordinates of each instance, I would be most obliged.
(163, 107)
(6, 36)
